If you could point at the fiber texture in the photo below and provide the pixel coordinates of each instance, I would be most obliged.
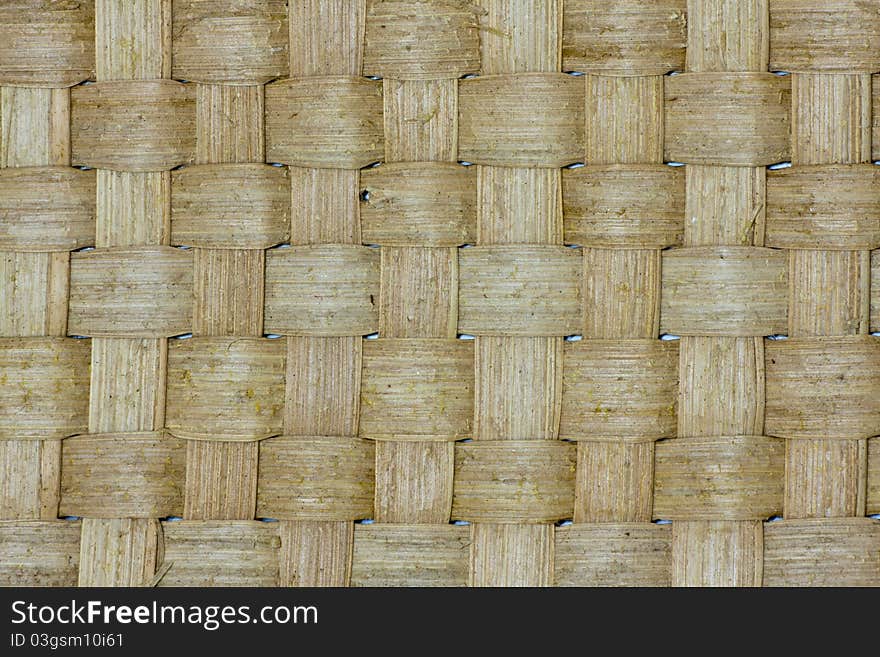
(436, 292)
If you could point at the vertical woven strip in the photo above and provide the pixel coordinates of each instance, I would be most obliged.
(128, 373)
(35, 134)
(708, 552)
(525, 37)
(621, 288)
(828, 294)
(326, 39)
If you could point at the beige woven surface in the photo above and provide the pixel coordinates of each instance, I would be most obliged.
(219, 160)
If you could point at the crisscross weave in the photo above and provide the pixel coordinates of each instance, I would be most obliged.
(386, 292)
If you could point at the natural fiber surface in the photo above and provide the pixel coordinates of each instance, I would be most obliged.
(528, 348)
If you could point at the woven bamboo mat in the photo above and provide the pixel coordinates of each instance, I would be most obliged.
(528, 348)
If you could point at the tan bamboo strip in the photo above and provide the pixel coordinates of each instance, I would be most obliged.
(415, 298)
(875, 292)
(826, 552)
(318, 477)
(508, 371)
(518, 481)
(613, 554)
(322, 290)
(875, 103)
(324, 352)
(326, 133)
(527, 551)
(734, 218)
(721, 389)
(227, 42)
(132, 209)
(124, 206)
(495, 129)
(228, 553)
(45, 208)
(138, 292)
(319, 216)
(717, 553)
(420, 120)
(520, 36)
(719, 477)
(34, 273)
(32, 470)
(47, 45)
(627, 37)
(420, 117)
(621, 293)
(872, 494)
(228, 291)
(326, 37)
(119, 552)
(832, 118)
(39, 553)
(316, 553)
(137, 475)
(621, 286)
(404, 43)
(721, 379)
(826, 474)
(221, 475)
(33, 372)
(230, 124)
(222, 388)
(836, 206)
(414, 481)
(424, 203)
(133, 126)
(418, 296)
(728, 36)
(147, 26)
(814, 487)
(614, 479)
(624, 119)
(801, 36)
(619, 206)
(730, 118)
(126, 399)
(35, 127)
(221, 480)
(405, 384)
(319, 369)
(621, 390)
(506, 215)
(36, 293)
(218, 206)
(410, 555)
(519, 205)
(830, 290)
(614, 483)
(520, 290)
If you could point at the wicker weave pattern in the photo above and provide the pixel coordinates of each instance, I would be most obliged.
(220, 164)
